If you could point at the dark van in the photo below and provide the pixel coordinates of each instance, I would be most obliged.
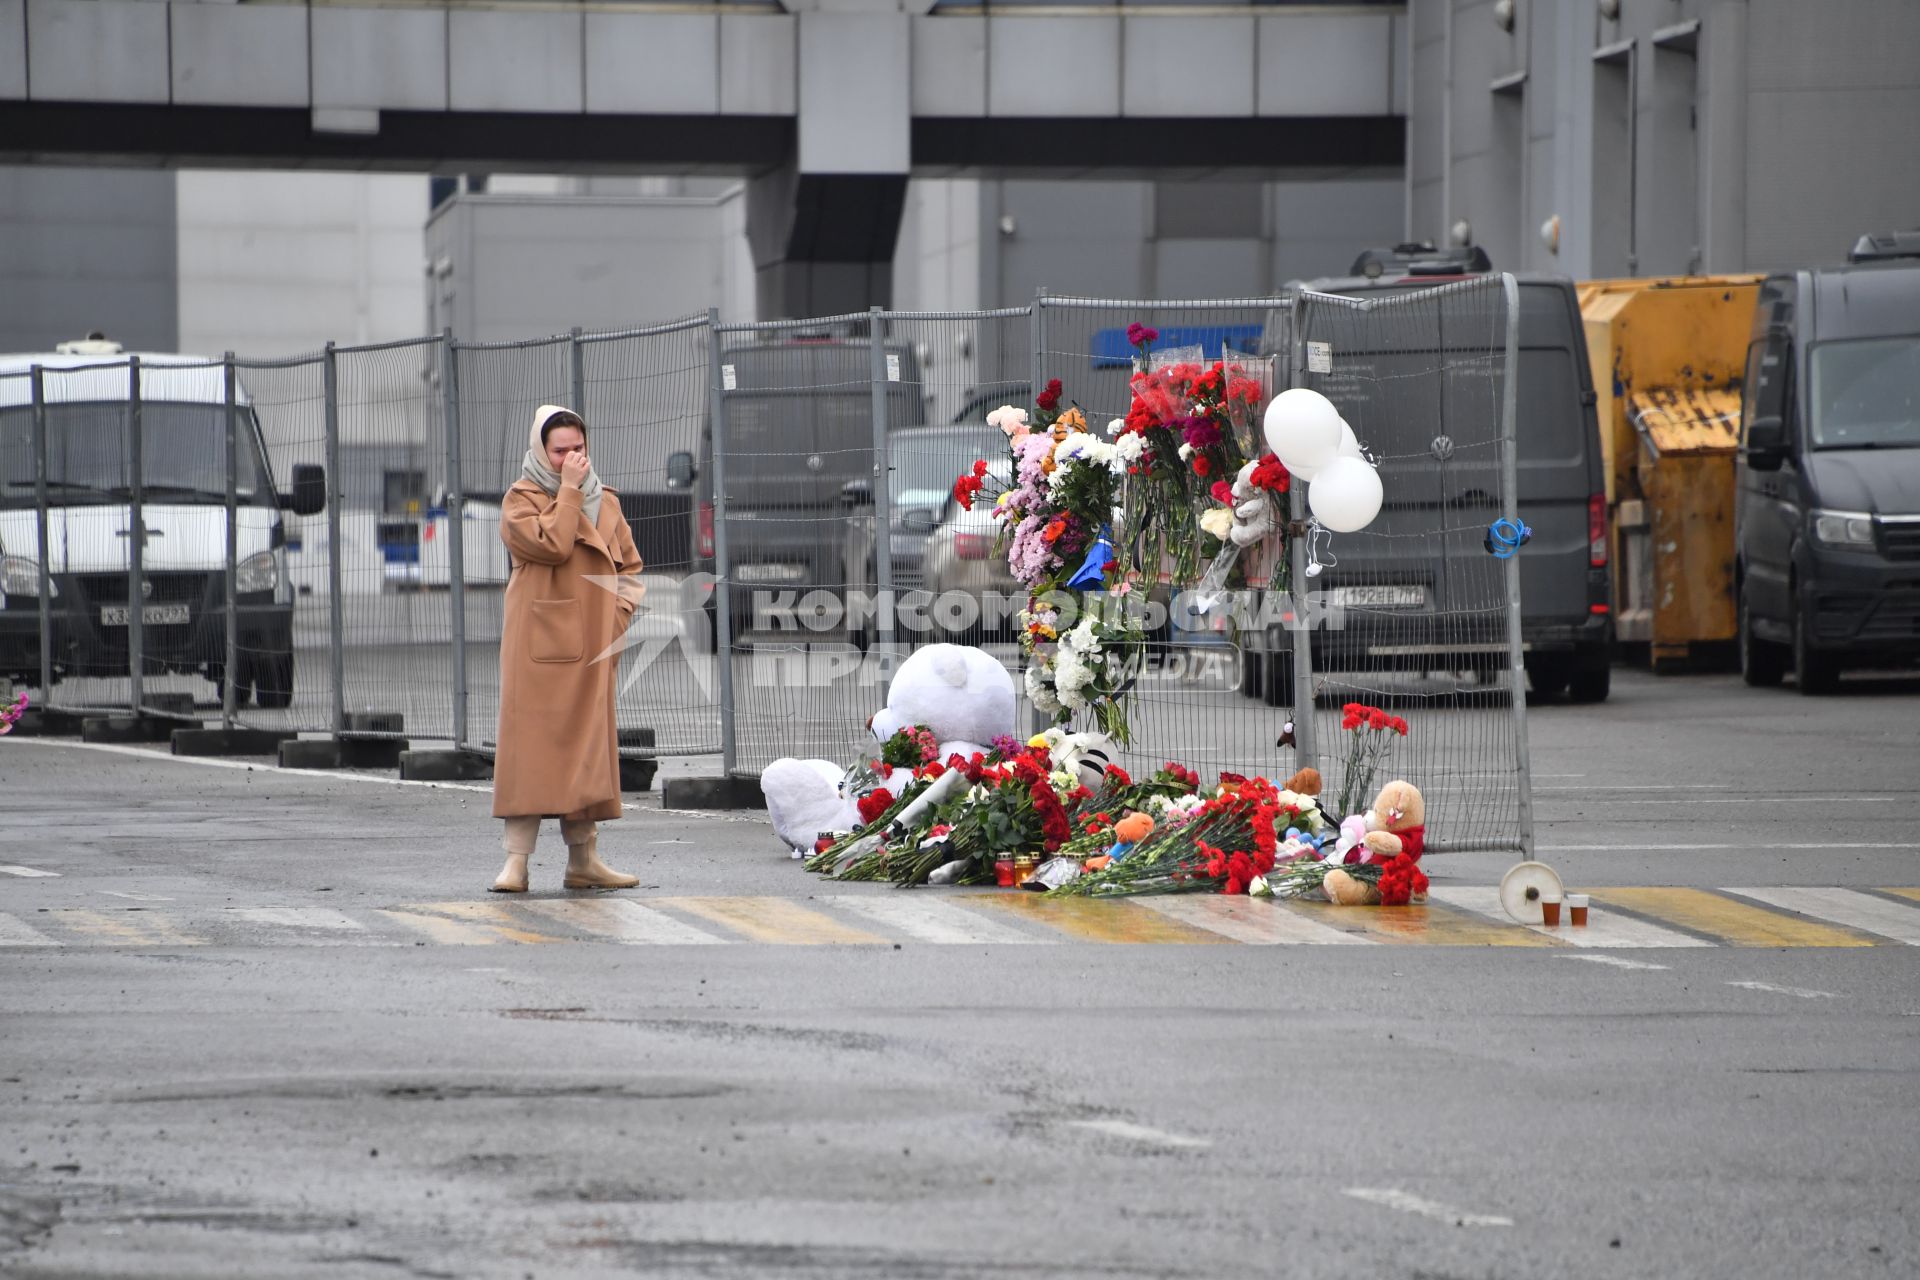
(1566, 594)
(1827, 503)
(799, 421)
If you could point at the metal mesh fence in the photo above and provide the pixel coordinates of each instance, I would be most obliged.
(789, 485)
(1412, 614)
(644, 397)
(387, 472)
(1189, 703)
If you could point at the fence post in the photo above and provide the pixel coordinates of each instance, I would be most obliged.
(882, 486)
(577, 375)
(1510, 509)
(136, 542)
(228, 699)
(40, 528)
(456, 546)
(1306, 746)
(722, 566)
(336, 605)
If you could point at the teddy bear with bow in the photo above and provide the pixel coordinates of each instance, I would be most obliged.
(1393, 827)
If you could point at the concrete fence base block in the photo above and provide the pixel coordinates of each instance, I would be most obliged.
(132, 729)
(636, 773)
(372, 753)
(39, 722)
(228, 742)
(445, 766)
(310, 753)
(712, 793)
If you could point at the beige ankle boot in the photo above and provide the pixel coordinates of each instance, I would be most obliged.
(586, 871)
(517, 837)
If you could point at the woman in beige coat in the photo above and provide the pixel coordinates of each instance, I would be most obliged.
(571, 591)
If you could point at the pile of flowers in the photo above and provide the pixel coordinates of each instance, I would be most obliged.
(11, 713)
(1222, 842)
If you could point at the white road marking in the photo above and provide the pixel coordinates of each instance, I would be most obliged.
(925, 918)
(7, 869)
(1628, 847)
(1142, 1134)
(1746, 800)
(620, 920)
(1618, 962)
(1407, 1202)
(14, 933)
(137, 897)
(209, 762)
(299, 918)
(1603, 928)
(1860, 911)
(1805, 993)
(1248, 921)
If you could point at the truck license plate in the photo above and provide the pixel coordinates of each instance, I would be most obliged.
(1380, 597)
(153, 615)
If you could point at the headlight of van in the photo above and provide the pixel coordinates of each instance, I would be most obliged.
(256, 573)
(1843, 530)
(20, 576)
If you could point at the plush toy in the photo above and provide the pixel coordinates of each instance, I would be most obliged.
(1397, 823)
(964, 695)
(1254, 516)
(1084, 755)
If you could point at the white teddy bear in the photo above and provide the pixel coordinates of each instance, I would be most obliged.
(962, 694)
(1254, 516)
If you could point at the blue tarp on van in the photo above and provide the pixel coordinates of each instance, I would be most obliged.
(1110, 347)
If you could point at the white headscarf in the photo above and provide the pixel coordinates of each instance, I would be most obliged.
(534, 466)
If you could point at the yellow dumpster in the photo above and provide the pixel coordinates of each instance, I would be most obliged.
(1667, 357)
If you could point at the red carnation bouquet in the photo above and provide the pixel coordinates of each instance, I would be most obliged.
(1228, 842)
(1372, 739)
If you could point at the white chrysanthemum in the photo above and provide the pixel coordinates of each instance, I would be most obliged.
(1115, 427)
(1129, 448)
(1186, 452)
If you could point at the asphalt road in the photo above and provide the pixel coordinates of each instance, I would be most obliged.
(259, 1023)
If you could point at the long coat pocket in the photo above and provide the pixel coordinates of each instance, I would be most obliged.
(557, 633)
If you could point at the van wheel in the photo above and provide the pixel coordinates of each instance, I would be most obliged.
(1814, 673)
(1761, 662)
(240, 690)
(272, 680)
(1549, 676)
(1590, 683)
(1276, 679)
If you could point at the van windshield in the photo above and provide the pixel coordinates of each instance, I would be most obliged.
(183, 455)
(1864, 393)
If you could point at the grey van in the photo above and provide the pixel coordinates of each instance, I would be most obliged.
(799, 421)
(1827, 497)
(1566, 593)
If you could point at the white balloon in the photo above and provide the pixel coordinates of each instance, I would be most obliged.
(1303, 429)
(1345, 496)
(1349, 443)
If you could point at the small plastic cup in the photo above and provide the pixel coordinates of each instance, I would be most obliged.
(1577, 910)
(1550, 912)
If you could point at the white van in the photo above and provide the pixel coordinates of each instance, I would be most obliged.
(89, 518)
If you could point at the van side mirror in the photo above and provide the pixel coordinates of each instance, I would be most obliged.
(309, 496)
(856, 493)
(1766, 442)
(920, 520)
(680, 470)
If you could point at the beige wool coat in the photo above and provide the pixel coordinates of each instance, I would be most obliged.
(557, 752)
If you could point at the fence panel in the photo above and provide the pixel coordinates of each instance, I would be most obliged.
(497, 387)
(390, 458)
(1412, 614)
(645, 402)
(26, 649)
(1193, 701)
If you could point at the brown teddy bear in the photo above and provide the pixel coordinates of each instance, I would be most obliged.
(1396, 824)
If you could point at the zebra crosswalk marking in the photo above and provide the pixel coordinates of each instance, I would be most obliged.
(1088, 920)
(127, 928)
(18, 933)
(1735, 923)
(620, 920)
(1603, 928)
(1434, 924)
(766, 919)
(924, 918)
(1255, 923)
(470, 924)
(1860, 911)
(299, 918)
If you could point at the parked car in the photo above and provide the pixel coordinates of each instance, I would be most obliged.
(1393, 601)
(799, 423)
(923, 463)
(1827, 503)
(183, 435)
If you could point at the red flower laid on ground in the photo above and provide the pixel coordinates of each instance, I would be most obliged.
(873, 805)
